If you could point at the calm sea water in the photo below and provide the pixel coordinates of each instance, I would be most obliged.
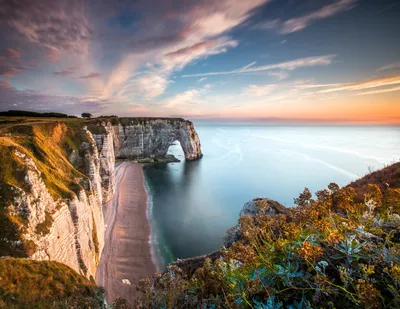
(192, 204)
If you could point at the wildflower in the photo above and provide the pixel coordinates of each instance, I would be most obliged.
(334, 237)
(368, 269)
(395, 272)
(369, 296)
(309, 252)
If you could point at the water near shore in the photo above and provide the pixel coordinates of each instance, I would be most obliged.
(192, 204)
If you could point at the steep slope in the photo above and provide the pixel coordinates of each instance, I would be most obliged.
(33, 284)
(56, 174)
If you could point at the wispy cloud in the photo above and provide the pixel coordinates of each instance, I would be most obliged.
(287, 65)
(380, 91)
(259, 91)
(11, 64)
(202, 79)
(302, 22)
(280, 75)
(92, 75)
(66, 72)
(299, 23)
(391, 66)
(12, 53)
(371, 83)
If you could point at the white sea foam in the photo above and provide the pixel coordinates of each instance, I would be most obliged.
(156, 256)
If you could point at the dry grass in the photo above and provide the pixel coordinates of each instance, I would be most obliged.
(32, 284)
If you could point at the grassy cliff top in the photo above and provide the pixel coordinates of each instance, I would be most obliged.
(32, 284)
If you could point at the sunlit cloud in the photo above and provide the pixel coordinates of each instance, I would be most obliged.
(380, 91)
(259, 91)
(300, 23)
(287, 65)
(371, 83)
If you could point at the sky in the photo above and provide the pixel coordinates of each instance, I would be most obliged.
(333, 61)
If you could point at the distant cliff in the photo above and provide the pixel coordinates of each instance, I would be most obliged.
(151, 137)
(56, 175)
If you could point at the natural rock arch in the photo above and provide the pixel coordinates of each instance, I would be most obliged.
(152, 138)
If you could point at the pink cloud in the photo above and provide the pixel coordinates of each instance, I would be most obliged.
(191, 49)
(66, 72)
(12, 53)
(92, 75)
(5, 85)
(299, 23)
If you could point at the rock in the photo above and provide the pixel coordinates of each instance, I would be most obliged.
(152, 138)
(69, 233)
(263, 206)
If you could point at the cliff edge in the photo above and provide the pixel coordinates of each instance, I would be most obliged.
(56, 174)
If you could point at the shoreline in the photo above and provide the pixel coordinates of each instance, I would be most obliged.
(128, 255)
(153, 243)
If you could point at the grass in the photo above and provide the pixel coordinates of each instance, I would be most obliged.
(44, 285)
(330, 252)
(49, 144)
(44, 227)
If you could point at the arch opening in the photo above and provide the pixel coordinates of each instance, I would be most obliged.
(175, 151)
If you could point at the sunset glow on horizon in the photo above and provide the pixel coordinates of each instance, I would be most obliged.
(314, 61)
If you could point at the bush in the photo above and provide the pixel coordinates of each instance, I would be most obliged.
(331, 252)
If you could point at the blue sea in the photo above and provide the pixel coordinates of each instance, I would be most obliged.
(192, 204)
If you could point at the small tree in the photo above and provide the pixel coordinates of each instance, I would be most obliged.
(86, 115)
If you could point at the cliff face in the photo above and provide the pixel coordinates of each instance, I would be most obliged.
(152, 138)
(58, 176)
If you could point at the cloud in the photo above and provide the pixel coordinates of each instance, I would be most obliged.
(66, 72)
(54, 24)
(380, 91)
(186, 98)
(280, 75)
(287, 65)
(371, 83)
(92, 75)
(5, 84)
(10, 64)
(260, 91)
(12, 53)
(267, 25)
(300, 23)
(391, 66)
(188, 51)
(202, 79)
(172, 37)
(11, 98)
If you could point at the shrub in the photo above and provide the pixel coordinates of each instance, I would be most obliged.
(331, 252)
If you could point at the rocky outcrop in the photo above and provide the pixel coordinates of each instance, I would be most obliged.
(150, 137)
(257, 206)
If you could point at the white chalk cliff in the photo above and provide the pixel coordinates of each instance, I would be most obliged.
(71, 230)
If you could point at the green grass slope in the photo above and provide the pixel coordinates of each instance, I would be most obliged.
(45, 285)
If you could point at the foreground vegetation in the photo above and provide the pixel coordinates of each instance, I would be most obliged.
(45, 285)
(330, 252)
